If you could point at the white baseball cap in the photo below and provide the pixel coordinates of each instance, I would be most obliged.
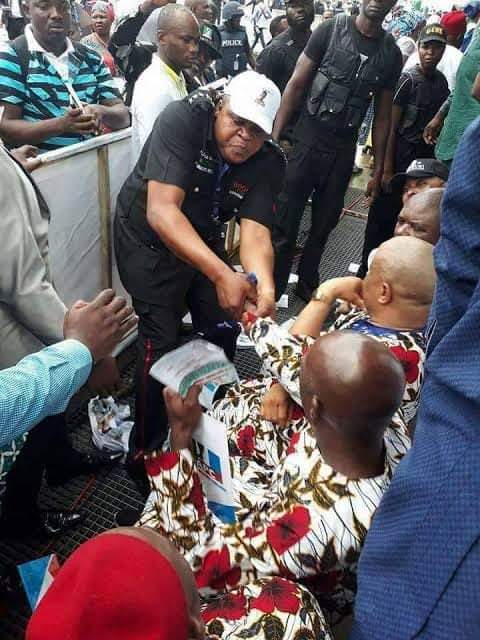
(254, 97)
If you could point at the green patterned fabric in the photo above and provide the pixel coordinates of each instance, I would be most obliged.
(464, 108)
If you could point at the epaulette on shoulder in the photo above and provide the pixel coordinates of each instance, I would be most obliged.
(201, 99)
(271, 144)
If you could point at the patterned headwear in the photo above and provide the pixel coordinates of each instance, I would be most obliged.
(406, 24)
(103, 7)
(113, 587)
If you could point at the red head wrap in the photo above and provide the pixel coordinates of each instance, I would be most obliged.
(113, 587)
(454, 23)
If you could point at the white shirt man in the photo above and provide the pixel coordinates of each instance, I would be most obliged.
(156, 87)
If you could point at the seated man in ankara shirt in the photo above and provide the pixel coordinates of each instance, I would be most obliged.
(307, 518)
(391, 305)
(107, 604)
(54, 93)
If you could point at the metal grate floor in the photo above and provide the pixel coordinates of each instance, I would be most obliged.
(100, 497)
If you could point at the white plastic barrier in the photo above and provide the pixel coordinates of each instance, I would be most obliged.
(80, 184)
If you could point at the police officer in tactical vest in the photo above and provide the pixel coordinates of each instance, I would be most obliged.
(420, 93)
(277, 61)
(206, 161)
(347, 61)
(236, 52)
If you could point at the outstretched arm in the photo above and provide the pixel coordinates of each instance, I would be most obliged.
(41, 385)
(293, 94)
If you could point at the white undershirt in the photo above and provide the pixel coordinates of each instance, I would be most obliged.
(60, 63)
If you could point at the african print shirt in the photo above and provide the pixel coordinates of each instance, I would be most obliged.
(296, 516)
(267, 609)
(278, 348)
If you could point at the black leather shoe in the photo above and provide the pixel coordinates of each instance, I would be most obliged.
(84, 464)
(54, 523)
(48, 523)
(303, 291)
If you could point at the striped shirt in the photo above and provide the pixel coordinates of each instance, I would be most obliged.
(43, 94)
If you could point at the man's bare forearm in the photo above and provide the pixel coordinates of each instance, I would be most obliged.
(115, 116)
(380, 133)
(312, 318)
(256, 253)
(291, 99)
(18, 132)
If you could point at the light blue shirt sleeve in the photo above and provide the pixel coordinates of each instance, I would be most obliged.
(40, 385)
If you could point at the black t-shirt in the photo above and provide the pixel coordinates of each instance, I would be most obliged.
(320, 39)
(427, 96)
(434, 93)
(181, 151)
(277, 61)
(309, 130)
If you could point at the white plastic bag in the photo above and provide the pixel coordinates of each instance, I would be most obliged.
(109, 424)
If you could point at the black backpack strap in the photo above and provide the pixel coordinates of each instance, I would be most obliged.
(20, 46)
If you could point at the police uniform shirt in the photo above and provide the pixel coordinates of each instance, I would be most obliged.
(181, 151)
(317, 47)
(277, 61)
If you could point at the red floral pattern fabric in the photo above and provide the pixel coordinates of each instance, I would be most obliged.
(277, 594)
(267, 609)
(297, 518)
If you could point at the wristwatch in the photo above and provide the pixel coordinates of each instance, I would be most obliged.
(319, 296)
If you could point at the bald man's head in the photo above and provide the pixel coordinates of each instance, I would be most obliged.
(178, 36)
(201, 9)
(352, 384)
(420, 216)
(398, 288)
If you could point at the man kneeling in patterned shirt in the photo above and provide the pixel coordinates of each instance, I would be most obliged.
(306, 519)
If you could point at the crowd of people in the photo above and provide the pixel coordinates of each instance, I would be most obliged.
(353, 453)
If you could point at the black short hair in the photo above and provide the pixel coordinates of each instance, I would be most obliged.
(274, 24)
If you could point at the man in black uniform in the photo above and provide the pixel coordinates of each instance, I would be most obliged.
(277, 61)
(203, 164)
(346, 62)
(420, 93)
(236, 52)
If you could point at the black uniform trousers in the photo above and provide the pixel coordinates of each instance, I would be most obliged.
(325, 169)
(382, 218)
(47, 448)
(179, 288)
